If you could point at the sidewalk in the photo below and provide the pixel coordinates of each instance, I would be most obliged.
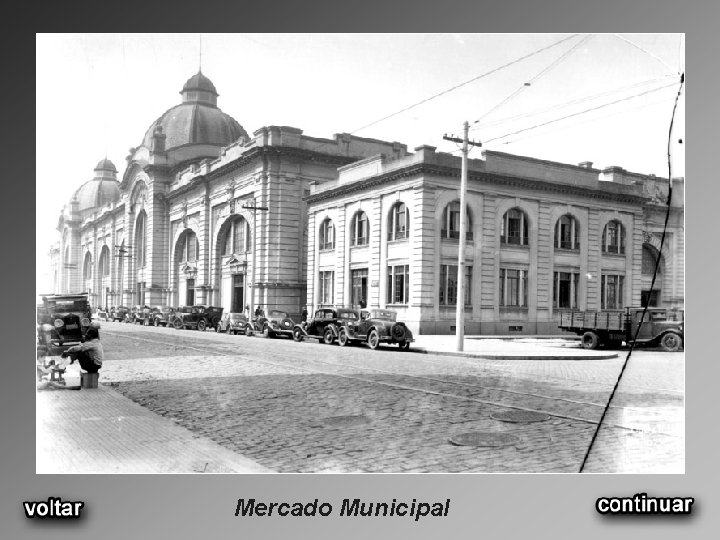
(510, 347)
(101, 431)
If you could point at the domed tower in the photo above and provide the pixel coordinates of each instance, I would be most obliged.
(195, 129)
(103, 189)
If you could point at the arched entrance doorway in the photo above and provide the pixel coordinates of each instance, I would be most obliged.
(650, 258)
(187, 249)
(231, 263)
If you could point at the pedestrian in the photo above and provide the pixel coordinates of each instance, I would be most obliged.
(363, 304)
(247, 310)
(259, 311)
(303, 317)
(89, 354)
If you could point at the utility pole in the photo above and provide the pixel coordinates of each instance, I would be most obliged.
(460, 297)
(253, 206)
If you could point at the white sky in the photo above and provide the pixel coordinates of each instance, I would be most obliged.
(98, 93)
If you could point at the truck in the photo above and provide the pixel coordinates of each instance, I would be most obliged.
(660, 326)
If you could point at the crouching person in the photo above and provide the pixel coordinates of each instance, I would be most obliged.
(89, 354)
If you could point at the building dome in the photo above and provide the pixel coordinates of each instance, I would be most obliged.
(196, 121)
(103, 189)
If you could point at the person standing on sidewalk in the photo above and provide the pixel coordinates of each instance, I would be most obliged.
(89, 354)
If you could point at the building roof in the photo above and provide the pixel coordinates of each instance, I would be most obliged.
(195, 121)
(104, 188)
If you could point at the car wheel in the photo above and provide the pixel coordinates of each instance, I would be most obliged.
(177, 323)
(671, 342)
(590, 340)
(266, 331)
(328, 336)
(248, 331)
(373, 339)
(202, 325)
(404, 345)
(343, 337)
(297, 335)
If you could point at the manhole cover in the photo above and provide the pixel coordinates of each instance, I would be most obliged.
(344, 421)
(477, 438)
(523, 417)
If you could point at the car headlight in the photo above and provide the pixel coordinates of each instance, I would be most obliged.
(46, 327)
(59, 323)
(85, 322)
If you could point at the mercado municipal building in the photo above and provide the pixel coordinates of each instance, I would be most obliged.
(206, 214)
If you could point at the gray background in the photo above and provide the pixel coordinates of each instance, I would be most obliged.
(490, 506)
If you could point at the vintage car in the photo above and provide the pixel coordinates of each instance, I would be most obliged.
(375, 327)
(162, 315)
(100, 315)
(118, 314)
(234, 323)
(68, 314)
(325, 325)
(198, 317)
(278, 323)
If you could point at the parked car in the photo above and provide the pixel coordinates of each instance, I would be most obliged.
(100, 315)
(68, 314)
(610, 328)
(278, 323)
(234, 323)
(162, 315)
(198, 317)
(119, 313)
(324, 326)
(374, 327)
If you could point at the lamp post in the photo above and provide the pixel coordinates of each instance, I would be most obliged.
(252, 206)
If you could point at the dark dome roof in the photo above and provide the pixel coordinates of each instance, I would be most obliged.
(195, 123)
(105, 165)
(199, 82)
(96, 193)
(197, 120)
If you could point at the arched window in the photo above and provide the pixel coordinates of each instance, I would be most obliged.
(514, 228)
(567, 233)
(451, 222)
(613, 238)
(399, 222)
(188, 247)
(87, 267)
(327, 235)
(649, 260)
(104, 264)
(359, 229)
(237, 237)
(140, 240)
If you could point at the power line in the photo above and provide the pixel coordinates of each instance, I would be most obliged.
(579, 113)
(536, 77)
(447, 91)
(646, 52)
(576, 101)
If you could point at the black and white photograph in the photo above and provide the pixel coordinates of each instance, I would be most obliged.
(360, 253)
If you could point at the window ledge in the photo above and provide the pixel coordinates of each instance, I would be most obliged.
(568, 250)
(611, 254)
(505, 245)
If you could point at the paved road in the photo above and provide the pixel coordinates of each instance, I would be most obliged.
(309, 407)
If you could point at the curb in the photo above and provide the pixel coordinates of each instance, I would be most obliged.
(491, 356)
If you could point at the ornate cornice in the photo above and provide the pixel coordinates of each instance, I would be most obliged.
(473, 176)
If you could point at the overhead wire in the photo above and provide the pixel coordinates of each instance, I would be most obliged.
(528, 83)
(460, 85)
(579, 113)
(646, 52)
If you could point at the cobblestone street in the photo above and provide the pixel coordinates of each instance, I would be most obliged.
(309, 407)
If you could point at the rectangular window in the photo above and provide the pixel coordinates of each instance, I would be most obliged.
(238, 232)
(565, 287)
(398, 284)
(359, 287)
(448, 285)
(326, 282)
(513, 287)
(611, 291)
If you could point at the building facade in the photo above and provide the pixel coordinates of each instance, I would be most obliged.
(204, 213)
(542, 237)
(200, 210)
